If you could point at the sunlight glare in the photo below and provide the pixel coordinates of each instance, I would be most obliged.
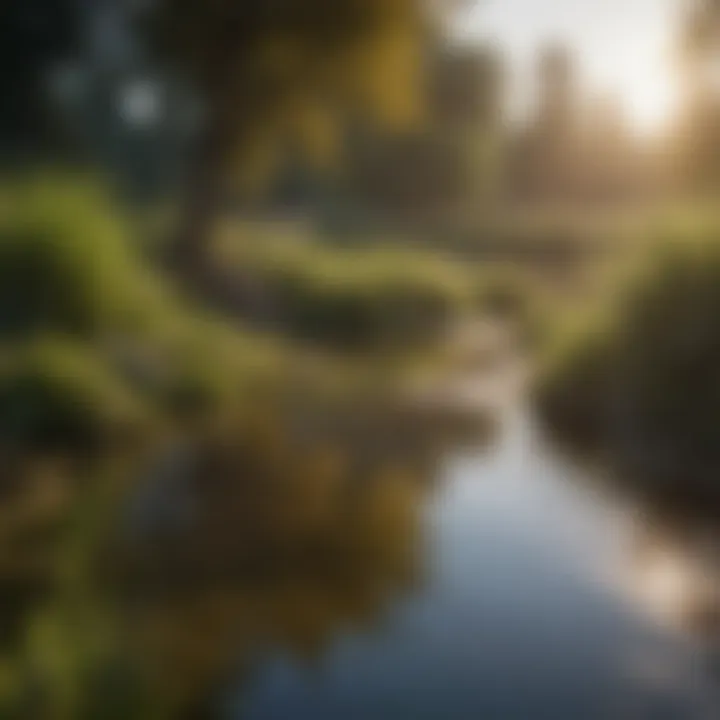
(649, 97)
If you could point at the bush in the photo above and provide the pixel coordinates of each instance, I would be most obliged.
(645, 381)
(209, 366)
(66, 264)
(57, 394)
(573, 384)
(364, 299)
(69, 271)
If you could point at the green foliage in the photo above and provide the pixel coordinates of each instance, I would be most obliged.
(642, 378)
(300, 51)
(208, 365)
(503, 292)
(572, 389)
(272, 75)
(120, 338)
(54, 393)
(123, 340)
(290, 72)
(351, 298)
(66, 264)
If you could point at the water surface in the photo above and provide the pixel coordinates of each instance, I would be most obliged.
(540, 597)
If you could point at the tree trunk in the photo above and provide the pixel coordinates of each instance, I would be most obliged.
(201, 204)
(190, 252)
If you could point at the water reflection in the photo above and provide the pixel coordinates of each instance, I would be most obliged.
(286, 564)
(531, 608)
(286, 542)
(668, 560)
(674, 571)
(369, 567)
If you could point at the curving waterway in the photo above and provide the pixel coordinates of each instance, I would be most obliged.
(543, 597)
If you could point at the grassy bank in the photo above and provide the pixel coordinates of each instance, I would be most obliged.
(95, 343)
(356, 298)
(291, 451)
(637, 377)
(102, 356)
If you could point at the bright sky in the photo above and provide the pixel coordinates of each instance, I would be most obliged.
(622, 46)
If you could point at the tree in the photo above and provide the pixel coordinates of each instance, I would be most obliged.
(699, 127)
(268, 71)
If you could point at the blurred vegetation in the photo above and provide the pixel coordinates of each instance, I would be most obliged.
(287, 544)
(190, 478)
(636, 375)
(92, 338)
(55, 394)
(303, 467)
(348, 298)
(68, 263)
(266, 75)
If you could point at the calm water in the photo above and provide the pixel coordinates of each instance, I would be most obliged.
(535, 598)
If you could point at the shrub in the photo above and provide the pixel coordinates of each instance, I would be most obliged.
(69, 270)
(58, 394)
(645, 382)
(572, 387)
(66, 264)
(362, 299)
(210, 366)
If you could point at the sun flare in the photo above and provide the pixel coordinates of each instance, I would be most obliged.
(649, 97)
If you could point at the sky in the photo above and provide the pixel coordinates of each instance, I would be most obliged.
(621, 46)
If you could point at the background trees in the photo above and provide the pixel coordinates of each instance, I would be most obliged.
(283, 71)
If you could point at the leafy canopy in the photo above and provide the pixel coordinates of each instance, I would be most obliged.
(270, 69)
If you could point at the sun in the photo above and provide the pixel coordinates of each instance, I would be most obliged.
(650, 99)
(644, 77)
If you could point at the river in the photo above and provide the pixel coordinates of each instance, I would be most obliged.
(498, 580)
(543, 597)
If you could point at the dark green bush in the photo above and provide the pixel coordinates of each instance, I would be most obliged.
(66, 264)
(363, 299)
(573, 385)
(58, 394)
(70, 270)
(209, 366)
(644, 382)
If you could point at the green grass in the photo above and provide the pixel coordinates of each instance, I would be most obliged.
(347, 298)
(91, 333)
(89, 327)
(55, 392)
(67, 265)
(360, 298)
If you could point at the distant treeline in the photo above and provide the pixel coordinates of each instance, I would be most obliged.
(87, 83)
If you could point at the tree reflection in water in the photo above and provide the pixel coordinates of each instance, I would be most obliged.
(289, 543)
(279, 542)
